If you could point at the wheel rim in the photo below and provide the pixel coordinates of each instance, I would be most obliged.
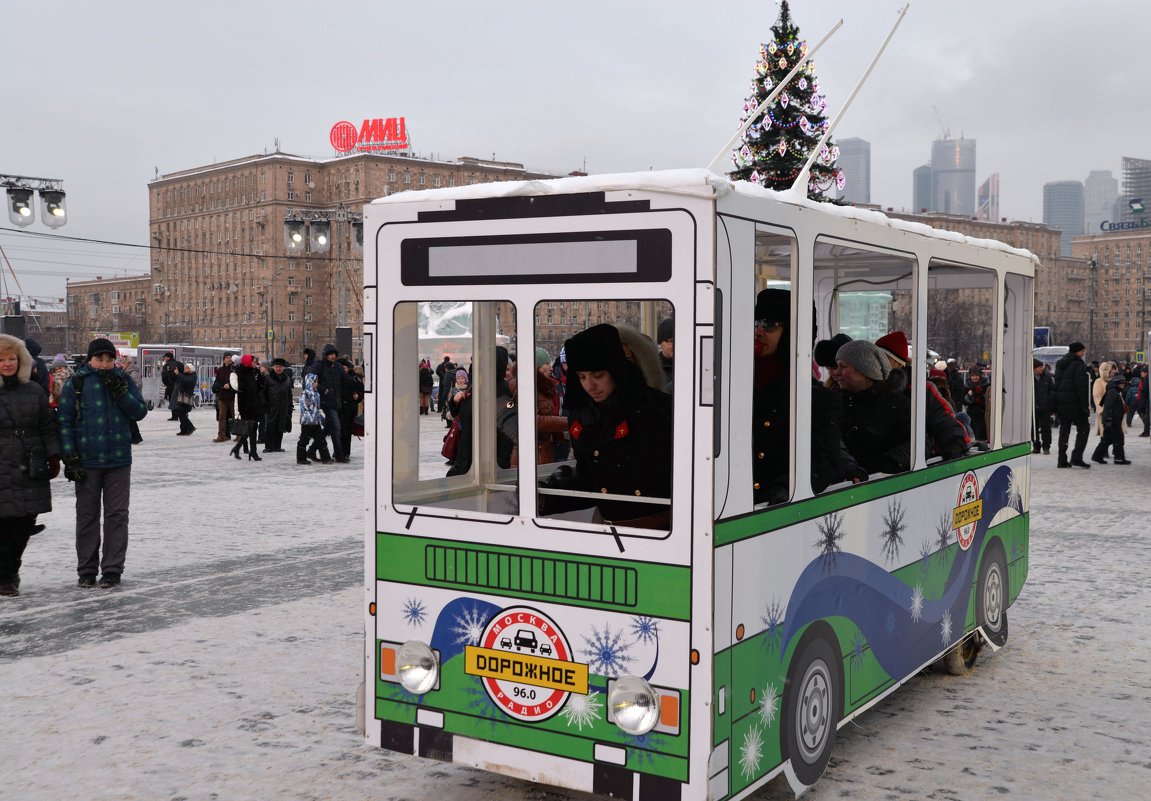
(993, 598)
(813, 721)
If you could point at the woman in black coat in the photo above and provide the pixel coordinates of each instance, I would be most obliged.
(876, 422)
(26, 422)
(277, 405)
(621, 430)
(249, 404)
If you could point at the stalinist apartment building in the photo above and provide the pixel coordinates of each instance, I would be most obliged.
(220, 272)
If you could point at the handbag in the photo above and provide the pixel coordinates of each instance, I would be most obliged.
(451, 441)
(35, 464)
(242, 428)
(507, 418)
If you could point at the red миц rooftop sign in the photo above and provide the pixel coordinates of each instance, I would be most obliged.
(377, 134)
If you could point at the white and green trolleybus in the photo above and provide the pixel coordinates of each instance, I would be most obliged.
(701, 659)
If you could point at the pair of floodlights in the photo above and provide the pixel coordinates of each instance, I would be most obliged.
(21, 207)
(316, 234)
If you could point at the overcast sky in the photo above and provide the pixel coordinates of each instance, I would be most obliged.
(114, 90)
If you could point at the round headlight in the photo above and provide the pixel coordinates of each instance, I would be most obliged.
(416, 665)
(634, 705)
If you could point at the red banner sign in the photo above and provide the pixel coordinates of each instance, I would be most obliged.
(376, 134)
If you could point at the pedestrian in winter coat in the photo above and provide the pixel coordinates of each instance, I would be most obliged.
(98, 409)
(876, 422)
(39, 367)
(1107, 370)
(1111, 413)
(170, 372)
(277, 406)
(57, 377)
(621, 430)
(311, 424)
(225, 398)
(182, 395)
(955, 382)
(1044, 408)
(975, 398)
(27, 424)
(427, 381)
(1072, 404)
(1141, 401)
(249, 386)
(332, 383)
(350, 403)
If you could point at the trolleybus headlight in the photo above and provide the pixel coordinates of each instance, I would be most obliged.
(416, 665)
(634, 705)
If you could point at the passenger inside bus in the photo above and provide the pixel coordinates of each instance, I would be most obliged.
(876, 421)
(621, 430)
(771, 411)
(460, 406)
(945, 435)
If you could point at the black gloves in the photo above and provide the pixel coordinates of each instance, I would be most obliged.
(72, 469)
(114, 384)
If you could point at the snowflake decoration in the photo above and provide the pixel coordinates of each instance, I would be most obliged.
(645, 629)
(480, 704)
(644, 747)
(606, 653)
(857, 647)
(1014, 491)
(772, 620)
(924, 557)
(768, 705)
(469, 627)
(893, 527)
(942, 536)
(751, 752)
(945, 628)
(582, 710)
(830, 533)
(917, 603)
(415, 613)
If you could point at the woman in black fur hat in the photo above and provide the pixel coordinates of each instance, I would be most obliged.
(621, 430)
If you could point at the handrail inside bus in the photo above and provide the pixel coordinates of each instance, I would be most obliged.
(605, 496)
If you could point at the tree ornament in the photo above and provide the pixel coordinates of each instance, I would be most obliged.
(782, 146)
(784, 100)
(767, 84)
(783, 63)
(791, 48)
(840, 180)
(802, 84)
(755, 179)
(771, 48)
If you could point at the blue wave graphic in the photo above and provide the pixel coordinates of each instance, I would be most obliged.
(881, 605)
(447, 637)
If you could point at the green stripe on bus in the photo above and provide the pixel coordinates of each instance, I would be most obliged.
(662, 591)
(727, 532)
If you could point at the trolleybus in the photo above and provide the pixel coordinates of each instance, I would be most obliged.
(702, 658)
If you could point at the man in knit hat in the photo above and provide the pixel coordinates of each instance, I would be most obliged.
(98, 408)
(665, 339)
(876, 424)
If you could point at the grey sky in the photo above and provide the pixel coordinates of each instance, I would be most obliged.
(114, 90)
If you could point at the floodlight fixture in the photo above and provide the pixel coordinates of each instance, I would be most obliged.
(293, 235)
(320, 235)
(52, 208)
(20, 210)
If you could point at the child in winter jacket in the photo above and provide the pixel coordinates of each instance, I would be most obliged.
(311, 424)
(1111, 417)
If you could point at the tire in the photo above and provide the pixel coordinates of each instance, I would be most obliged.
(961, 659)
(991, 596)
(813, 705)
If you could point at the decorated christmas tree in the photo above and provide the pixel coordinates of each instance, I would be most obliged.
(777, 144)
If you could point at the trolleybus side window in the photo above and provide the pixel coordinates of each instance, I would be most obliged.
(603, 414)
(961, 319)
(865, 312)
(459, 456)
(773, 338)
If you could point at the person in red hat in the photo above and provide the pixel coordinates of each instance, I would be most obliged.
(946, 434)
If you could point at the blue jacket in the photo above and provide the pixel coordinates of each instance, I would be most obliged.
(98, 428)
(310, 412)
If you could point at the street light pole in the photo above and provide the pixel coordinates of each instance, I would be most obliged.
(1091, 307)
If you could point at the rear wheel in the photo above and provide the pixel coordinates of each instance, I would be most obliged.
(991, 596)
(961, 659)
(812, 707)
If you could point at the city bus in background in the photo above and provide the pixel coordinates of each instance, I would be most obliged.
(1050, 355)
(702, 658)
(150, 359)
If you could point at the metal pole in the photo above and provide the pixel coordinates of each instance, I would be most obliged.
(1091, 307)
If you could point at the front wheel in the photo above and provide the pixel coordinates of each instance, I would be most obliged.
(991, 596)
(812, 706)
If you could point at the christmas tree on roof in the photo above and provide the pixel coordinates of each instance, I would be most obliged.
(777, 144)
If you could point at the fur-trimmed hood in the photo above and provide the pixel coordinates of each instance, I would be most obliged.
(24, 371)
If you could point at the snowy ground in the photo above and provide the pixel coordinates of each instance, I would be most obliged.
(225, 667)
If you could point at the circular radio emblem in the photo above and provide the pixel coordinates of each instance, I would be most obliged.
(344, 136)
(526, 661)
(968, 510)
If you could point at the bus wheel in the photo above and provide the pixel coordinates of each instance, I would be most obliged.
(991, 596)
(961, 659)
(812, 707)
